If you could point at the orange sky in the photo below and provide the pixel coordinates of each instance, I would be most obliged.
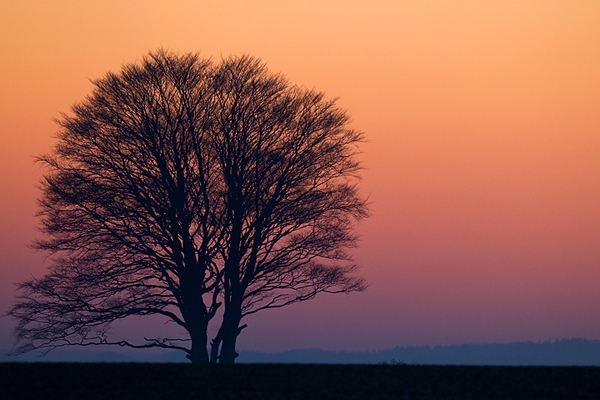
(483, 161)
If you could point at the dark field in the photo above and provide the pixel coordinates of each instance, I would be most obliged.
(270, 381)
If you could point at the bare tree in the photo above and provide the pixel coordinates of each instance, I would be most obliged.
(289, 167)
(127, 210)
(180, 184)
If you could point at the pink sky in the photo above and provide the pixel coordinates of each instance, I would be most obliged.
(483, 153)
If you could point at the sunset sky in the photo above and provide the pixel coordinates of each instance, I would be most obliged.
(482, 164)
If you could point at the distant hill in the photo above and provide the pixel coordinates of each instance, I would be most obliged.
(565, 352)
(578, 352)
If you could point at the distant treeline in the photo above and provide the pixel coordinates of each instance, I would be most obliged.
(565, 352)
(561, 352)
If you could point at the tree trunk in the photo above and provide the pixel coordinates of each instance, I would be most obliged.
(229, 334)
(198, 353)
(197, 326)
(228, 353)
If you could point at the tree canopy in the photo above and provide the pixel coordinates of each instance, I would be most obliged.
(181, 185)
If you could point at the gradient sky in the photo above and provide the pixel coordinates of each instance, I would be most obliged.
(482, 161)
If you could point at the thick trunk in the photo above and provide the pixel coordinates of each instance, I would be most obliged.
(194, 309)
(228, 353)
(197, 319)
(198, 353)
(228, 335)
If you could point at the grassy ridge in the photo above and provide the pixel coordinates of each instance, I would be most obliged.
(270, 381)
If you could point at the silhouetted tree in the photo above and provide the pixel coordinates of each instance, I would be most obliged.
(127, 209)
(180, 184)
(289, 168)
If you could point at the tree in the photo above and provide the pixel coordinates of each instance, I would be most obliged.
(289, 169)
(180, 184)
(127, 211)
